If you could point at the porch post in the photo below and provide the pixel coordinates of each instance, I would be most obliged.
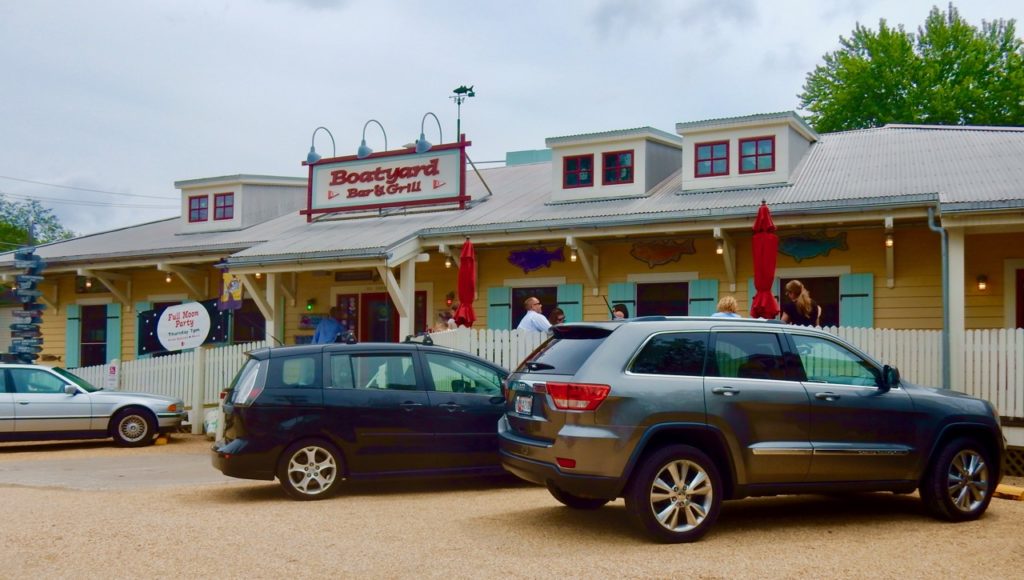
(275, 312)
(957, 309)
(407, 287)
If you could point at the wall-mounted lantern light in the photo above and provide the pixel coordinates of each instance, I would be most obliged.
(982, 282)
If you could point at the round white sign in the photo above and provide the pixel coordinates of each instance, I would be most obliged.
(183, 326)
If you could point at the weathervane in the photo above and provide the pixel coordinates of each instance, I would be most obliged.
(461, 94)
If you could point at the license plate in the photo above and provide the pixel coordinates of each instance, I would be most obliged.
(524, 404)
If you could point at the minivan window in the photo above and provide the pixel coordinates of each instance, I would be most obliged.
(384, 371)
(452, 374)
(672, 353)
(294, 371)
(341, 372)
(748, 355)
(566, 351)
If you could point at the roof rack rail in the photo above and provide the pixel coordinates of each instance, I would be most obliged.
(424, 338)
(661, 318)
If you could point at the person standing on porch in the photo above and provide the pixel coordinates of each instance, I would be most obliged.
(800, 309)
(534, 319)
(727, 308)
(329, 328)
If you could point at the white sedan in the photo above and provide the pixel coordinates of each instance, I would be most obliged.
(44, 403)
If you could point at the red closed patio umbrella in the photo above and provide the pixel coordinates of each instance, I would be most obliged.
(766, 252)
(464, 315)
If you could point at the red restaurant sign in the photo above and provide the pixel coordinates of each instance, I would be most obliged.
(389, 179)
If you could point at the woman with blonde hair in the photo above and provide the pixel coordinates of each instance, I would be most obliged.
(727, 308)
(800, 309)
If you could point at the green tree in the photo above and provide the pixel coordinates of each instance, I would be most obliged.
(15, 217)
(949, 73)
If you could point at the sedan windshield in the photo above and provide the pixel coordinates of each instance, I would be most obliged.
(76, 379)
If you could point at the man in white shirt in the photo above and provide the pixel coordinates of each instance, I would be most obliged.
(534, 319)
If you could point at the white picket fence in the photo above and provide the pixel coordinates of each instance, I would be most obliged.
(173, 375)
(503, 347)
(993, 365)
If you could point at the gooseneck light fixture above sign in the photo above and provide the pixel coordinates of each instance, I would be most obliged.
(363, 152)
(313, 156)
(422, 145)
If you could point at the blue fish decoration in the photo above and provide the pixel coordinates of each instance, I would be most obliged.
(810, 245)
(532, 259)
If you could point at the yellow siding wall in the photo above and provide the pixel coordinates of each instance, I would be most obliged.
(914, 302)
(986, 254)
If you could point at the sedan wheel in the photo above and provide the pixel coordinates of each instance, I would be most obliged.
(310, 470)
(132, 428)
(958, 486)
(676, 494)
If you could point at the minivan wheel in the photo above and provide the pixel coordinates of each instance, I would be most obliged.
(958, 484)
(575, 501)
(132, 428)
(310, 470)
(676, 494)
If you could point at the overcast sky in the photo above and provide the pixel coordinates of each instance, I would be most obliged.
(130, 96)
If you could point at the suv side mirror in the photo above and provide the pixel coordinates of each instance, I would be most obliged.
(890, 377)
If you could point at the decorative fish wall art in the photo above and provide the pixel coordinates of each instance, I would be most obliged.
(532, 259)
(660, 252)
(808, 245)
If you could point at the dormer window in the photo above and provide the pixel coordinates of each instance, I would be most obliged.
(757, 155)
(198, 207)
(224, 206)
(711, 159)
(618, 167)
(578, 171)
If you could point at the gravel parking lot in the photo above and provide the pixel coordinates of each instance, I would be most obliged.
(219, 527)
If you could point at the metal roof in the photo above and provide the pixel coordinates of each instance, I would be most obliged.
(638, 132)
(961, 168)
(760, 118)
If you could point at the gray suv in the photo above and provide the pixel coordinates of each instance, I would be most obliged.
(678, 414)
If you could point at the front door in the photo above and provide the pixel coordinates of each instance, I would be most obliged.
(752, 398)
(40, 403)
(858, 431)
(465, 405)
(378, 317)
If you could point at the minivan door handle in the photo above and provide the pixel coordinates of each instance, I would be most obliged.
(826, 396)
(410, 405)
(727, 391)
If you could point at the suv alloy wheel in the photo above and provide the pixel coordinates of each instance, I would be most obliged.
(957, 487)
(676, 494)
(310, 470)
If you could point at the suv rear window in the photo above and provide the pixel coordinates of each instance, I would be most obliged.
(566, 351)
(672, 353)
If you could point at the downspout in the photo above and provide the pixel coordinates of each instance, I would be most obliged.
(946, 382)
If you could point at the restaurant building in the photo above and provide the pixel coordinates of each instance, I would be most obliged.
(874, 222)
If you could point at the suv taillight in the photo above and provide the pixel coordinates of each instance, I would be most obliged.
(577, 396)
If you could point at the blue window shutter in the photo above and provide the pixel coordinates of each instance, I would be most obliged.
(570, 300)
(499, 308)
(113, 331)
(703, 298)
(857, 300)
(776, 291)
(140, 307)
(623, 293)
(72, 335)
